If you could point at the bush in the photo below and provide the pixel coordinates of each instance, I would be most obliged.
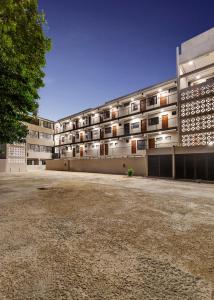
(130, 172)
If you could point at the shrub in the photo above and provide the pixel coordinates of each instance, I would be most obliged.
(130, 172)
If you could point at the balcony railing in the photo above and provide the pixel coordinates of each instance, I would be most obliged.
(121, 111)
(121, 132)
(164, 100)
(113, 152)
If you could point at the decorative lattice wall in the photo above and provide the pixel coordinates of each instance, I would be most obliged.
(197, 114)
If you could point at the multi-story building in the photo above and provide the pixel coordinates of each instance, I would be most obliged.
(32, 154)
(169, 125)
(125, 126)
(39, 143)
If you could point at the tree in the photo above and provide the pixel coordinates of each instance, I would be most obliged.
(23, 45)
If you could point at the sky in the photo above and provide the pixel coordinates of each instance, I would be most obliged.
(104, 49)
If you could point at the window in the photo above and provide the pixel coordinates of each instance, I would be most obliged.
(168, 138)
(159, 139)
(47, 124)
(154, 121)
(141, 144)
(43, 162)
(134, 106)
(107, 130)
(33, 147)
(135, 125)
(173, 90)
(126, 104)
(95, 133)
(77, 135)
(63, 139)
(106, 114)
(174, 112)
(152, 100)
(44, 135)
(77, 149)
(33, 134)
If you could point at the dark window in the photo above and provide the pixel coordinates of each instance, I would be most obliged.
(134, 106)
(141, 144)
(77, 149)
(126, 104)
(107, 130)
(159, 138)
(135, 125)
(77, 135)
(106, 114)
(174, 112)
(152, 100)
(168, 138)
(154, 121)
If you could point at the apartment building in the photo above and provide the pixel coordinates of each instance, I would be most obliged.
(33, 153)
(169, 125)
(39, 143)
(122, 127)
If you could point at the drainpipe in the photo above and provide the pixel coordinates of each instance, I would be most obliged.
(173, 162)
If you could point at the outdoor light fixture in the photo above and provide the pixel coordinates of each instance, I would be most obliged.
(210, 143)
(159, 132)
(160, 90)
(190, 63)
(198, 77)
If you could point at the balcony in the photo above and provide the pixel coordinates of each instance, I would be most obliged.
(162, 101)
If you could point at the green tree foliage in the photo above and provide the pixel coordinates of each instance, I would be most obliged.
(23, 45)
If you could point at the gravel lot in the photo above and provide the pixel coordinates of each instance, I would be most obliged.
(87, 236)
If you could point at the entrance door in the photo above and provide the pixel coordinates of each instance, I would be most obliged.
(133, 145)
(163, 100)
(101, 133)
(143, 125)
(74, 152)
(81, 136)
(81, 151)
(164, 121)
(114, 131)
(151, 143)
(106, 149)
(143, 105)
(126, 129)
(113, 114)
(101, 149)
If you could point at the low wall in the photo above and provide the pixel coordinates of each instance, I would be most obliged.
(108, 166)
(5, 166)
(36, 167)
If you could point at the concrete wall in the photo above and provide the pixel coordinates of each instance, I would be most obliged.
(197, 46)
(36, 167)
(5, 166)
(108, 166)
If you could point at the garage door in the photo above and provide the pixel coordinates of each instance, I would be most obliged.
(160, 165)
(195, 166)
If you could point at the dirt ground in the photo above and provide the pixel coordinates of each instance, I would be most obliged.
(87, 236)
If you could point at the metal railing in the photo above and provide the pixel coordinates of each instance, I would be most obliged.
(121, 111)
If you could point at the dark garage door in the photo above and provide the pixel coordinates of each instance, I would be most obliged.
(195, 166)
(160, 165)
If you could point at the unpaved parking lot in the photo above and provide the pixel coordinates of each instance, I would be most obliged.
(92, 236)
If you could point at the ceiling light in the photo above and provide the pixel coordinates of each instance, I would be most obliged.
(190, 63)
